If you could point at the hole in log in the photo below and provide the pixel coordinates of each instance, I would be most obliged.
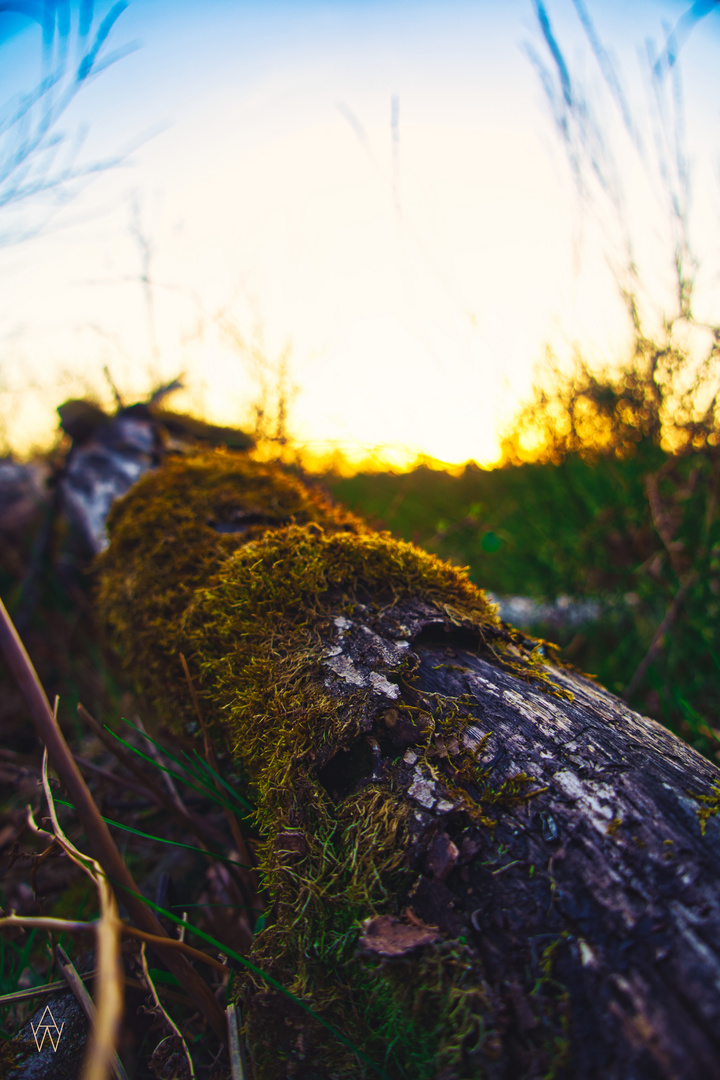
(437, 633)
(344, 771)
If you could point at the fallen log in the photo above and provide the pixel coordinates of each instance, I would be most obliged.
(478, 862)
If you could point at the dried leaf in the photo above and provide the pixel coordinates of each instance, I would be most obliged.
(387, 935)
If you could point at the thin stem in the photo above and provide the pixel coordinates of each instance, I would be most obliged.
(68, 926)
(159, 1006)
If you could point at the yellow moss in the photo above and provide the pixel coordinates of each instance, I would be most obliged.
(709, 806)
(257, 635)
(613, 827)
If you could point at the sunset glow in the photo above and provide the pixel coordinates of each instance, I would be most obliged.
(377, 188)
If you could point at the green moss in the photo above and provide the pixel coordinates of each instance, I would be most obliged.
(14, 1054)
(254, 614)
(260, 631)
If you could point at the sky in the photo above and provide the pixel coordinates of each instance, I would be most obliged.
(371, 196)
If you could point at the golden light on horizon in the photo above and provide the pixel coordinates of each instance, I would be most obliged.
(407, 230)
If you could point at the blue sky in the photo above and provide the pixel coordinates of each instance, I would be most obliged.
(412, 272)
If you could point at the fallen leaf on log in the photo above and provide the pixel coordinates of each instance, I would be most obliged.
(389, 936)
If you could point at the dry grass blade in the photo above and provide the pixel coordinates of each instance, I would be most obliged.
(100, 840)
(67, 926)
(40, 991)
(75, 983)
(238, 1069)
(159, 1006)
(109, 982)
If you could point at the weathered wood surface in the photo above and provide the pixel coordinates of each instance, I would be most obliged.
(107, 455)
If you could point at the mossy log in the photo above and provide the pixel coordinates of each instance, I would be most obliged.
(477, 861)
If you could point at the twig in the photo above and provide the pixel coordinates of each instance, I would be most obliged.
(238, 1068)
(113, 387)
(69, 926)
(113, 778)
(158, 1005)
(174, 943)
(166, 778)
(657, 641)
(75, 983)
(97, 831)
(165, 389)
(47, 922)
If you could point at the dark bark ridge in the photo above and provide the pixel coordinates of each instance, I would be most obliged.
(471, 875)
